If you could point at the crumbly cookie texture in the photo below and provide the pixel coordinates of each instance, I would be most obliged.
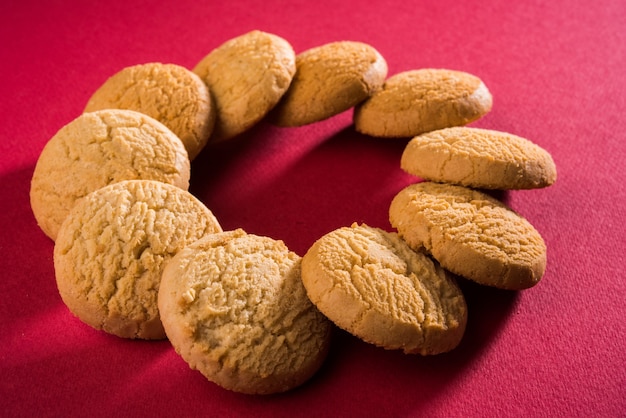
(370, 283)
(246, 76)
(234, 308)
(479, 158)
(169, 93)
(417, 101)
(470, 234)
(330, 79)
(112, 248)
(97, 149)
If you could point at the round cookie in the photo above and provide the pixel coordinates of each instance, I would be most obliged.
(479, 158)
(470, 234)
(169, 93)
(370, 283)
(111, 250)
(99, 148)
(247, 76)
(330, 79)
(234, 308)
(417, 101)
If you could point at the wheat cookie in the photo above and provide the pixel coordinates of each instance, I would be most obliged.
(112, 247)
(330, 79)
(470, 233)
(169, 93)
(479, 158)
(371, 284)
(246, 76)
(99, 148)
(417, 101)
(234, 308)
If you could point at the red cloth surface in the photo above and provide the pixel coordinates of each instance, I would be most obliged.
(557, 74)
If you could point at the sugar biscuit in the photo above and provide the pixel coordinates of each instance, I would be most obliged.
(417, 101)
(330, 79)
(470, 234)
(247, 76)
(112, 247)
(169, 93)
(479, 158)
(99, 148)
(234, 308)
(370, 283)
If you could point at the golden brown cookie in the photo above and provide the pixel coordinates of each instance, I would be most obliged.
(111, 250)
(370, 283)
(99, 148)
(234, 308)
(470, 234)
(479, 158)
(247, 76)
(417, 101)
(169, 93)
(330, 79)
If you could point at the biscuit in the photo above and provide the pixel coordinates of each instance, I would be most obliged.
(246, 76)
(371, 284)
(169, 93)
(234, 308)
(417, 101)
(99, 148)
(330, 79)
(111, 250)
(479, 158)
(470, 234)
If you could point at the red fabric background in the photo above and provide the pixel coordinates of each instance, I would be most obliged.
(556, 70)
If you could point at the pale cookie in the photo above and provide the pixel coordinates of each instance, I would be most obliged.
(169, 93)
(234, 308)
(370, 283)
(479, 158)
(470, 234)
(97, 149)
(247, 76)
(417, 101)
(330, 79)
(111, 250)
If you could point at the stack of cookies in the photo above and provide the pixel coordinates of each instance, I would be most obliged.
(137, 256)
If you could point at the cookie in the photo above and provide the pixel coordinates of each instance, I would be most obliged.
(330, 79)
(234, 308)
(169, 93)
(471, 234)
(247, 76)
(371, 284)
(479, 158)
(97, 149)
(417, 101)
(111, 250)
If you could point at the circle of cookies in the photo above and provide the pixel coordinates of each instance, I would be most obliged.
(112, 247)
(234, 307)
(470, 233)
(371, 284)
(97, 149)
(169, 93)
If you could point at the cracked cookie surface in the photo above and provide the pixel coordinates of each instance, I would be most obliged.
(470, 233)
(169, 93)
(234, 307)
(371, 284)
(113, 246)
(97, 149)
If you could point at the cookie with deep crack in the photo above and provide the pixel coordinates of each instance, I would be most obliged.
(234, 308)
(113, 246)
(371, 284)
(471, 234)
